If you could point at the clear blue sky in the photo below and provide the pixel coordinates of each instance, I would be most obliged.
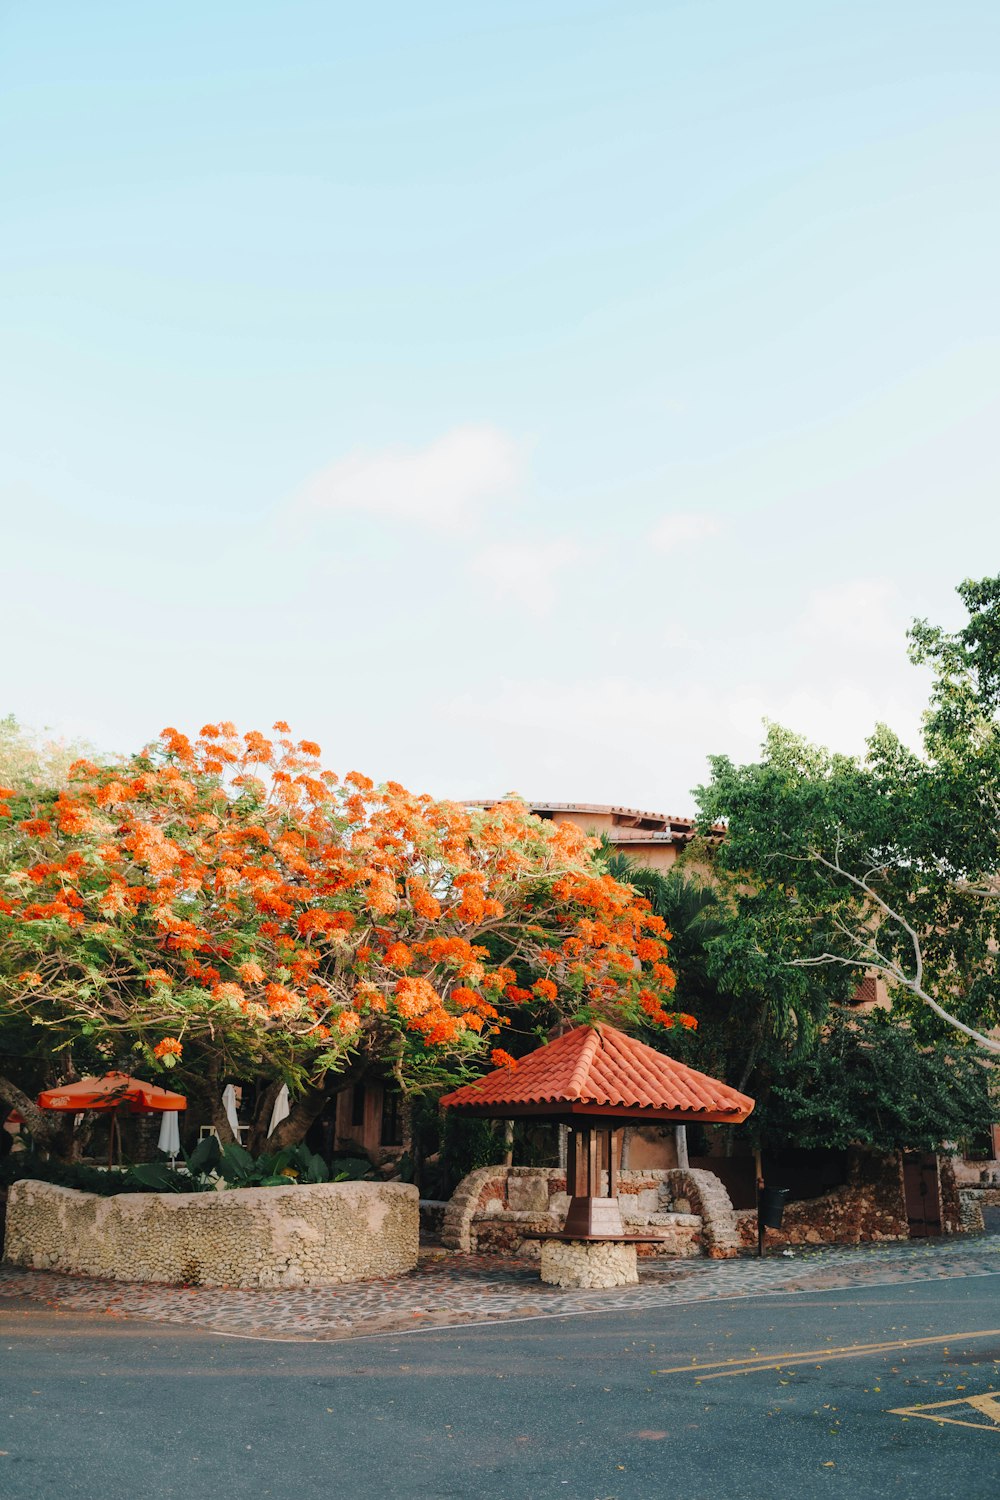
(520, 396)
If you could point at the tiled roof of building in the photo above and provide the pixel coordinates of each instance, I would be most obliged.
(630, 824)
(600, 1069)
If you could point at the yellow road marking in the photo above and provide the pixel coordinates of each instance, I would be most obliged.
(988, 1404)
(817, 1356)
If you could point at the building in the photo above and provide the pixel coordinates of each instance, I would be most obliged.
(650, 838)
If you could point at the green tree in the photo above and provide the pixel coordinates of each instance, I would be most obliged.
(32, 760)
(870, 1083)
(887, 863)
(753, 1010)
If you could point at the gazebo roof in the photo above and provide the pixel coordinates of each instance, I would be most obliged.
(599, 1071)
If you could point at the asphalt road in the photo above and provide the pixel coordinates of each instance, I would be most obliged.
(734, 1400)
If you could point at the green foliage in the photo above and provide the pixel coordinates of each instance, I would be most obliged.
(889, 862)
(25, 1165)
(465, 1145)
(870, 1083)
(29, 760)
(208, 1164)
(753, 1010)
(236, 1168)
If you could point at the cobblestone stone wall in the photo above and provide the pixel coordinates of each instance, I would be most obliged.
(706, 1196)
(951, 1205)
(871, 1207)
(248, 1237)
(970, 1207)
(686, 1212)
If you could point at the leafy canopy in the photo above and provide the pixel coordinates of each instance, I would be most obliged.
(231, 896)
(868, 1083)
(887, 863)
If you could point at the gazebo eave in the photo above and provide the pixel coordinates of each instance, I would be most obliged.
(564, 1111)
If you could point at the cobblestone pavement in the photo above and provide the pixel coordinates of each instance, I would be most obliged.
(448, 1290)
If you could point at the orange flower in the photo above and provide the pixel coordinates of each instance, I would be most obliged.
(424, 904)
(30, 977)
(545, 989)
(38, 827)
(228, 991)
(169, 1047)
(501, 1059)
(251, 972)
(515, 995)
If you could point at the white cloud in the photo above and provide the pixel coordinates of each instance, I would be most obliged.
(682, 530)
(858, 612)
(645, 743)
(525, 572)
(439, 485)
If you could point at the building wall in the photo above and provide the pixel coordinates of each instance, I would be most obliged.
(363, 1129)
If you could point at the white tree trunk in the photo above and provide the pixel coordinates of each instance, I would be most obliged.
(626, 1147)
(681, 1146)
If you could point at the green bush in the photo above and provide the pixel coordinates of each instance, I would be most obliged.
(21, 1165)
(207, 1164)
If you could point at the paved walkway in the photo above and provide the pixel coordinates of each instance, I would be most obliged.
(453, 1290)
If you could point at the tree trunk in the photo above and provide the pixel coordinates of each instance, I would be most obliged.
(508, 1143)
(257, 1141)
(681, 1146)
(417, 1153)
(46, 1126)
(220, 1120)
(291, 1130)
(203, 1094)
(626, 1146)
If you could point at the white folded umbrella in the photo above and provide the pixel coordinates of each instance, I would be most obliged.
(229, 1105)
(170, 1135)
(282, 1108)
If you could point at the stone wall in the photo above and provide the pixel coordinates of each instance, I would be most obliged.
(871, 1207)
(703, 1193)
(685, 1212)
(970, 1209)
(951, 1203)
(248, 1237)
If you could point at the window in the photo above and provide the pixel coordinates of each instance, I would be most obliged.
(358, 1106)
(392, 1118)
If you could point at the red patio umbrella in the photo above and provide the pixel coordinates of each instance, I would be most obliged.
(109, 1092)
(114, 1091)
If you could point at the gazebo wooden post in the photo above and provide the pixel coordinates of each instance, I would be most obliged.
(591, 1213)
(613, 1136)
(592, 1146)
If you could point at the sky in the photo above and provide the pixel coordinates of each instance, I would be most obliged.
(525, 396)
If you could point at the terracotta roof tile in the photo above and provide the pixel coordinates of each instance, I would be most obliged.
(602, 1067)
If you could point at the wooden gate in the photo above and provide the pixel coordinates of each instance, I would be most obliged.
(922, 1186)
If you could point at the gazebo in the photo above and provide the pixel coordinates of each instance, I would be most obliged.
(595, 1079)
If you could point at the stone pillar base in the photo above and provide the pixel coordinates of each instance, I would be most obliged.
(588, 1263)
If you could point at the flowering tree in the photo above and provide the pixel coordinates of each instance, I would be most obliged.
(228, 906)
